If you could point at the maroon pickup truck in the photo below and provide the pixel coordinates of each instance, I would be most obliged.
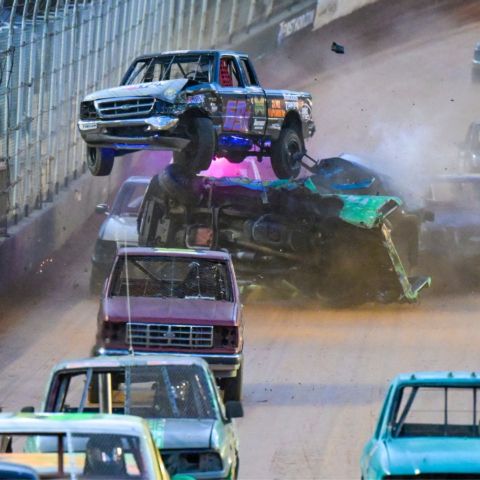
(176, 301)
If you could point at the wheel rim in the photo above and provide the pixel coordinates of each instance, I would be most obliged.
(293, 147)
(91, 158)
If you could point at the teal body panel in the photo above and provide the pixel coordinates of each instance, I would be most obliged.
(385, 454)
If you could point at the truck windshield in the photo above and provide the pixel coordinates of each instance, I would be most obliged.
(172, 277)
(170, 67)
(436, 411)
(153, 391)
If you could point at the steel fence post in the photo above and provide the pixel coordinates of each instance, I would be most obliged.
(27, 167)
(180, 16)
(203, 20)
(70, 99)
(171, 20)
(233, 17)
(52, 142)
(21, 122)
(190, 24)
(216, 20)
(37, 167)
(251, 12)
(6, 126)
(122, 48)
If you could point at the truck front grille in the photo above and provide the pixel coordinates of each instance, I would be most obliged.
(147, 335)
(119, 108)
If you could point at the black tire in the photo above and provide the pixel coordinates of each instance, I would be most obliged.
(100, 161)
(176, 182)
(232, 387)
(288, 144)
(197, 156)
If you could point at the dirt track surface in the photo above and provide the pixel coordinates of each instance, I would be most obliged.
(314, 378)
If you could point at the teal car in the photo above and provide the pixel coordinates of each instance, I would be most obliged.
(176, 395)
(429, 427)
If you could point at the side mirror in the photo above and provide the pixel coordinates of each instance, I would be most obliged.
(28, 409)
(234, 409)
(102, 209)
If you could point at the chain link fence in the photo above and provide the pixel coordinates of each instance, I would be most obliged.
(53, 52)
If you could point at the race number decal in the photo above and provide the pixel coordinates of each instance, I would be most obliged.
(236, 116)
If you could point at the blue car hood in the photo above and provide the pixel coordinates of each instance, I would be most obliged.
(433, 455)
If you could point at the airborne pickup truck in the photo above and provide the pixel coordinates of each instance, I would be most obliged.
(198, 104)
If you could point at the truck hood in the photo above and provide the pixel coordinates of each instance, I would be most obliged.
(433, 455)
(166, 90)
(168, 310)
(183, 433)
(120, 229)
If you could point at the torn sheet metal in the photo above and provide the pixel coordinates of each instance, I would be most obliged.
(333, 246)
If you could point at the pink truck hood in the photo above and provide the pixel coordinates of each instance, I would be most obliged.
(171, 310)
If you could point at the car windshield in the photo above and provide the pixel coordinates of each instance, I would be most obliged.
(129, 198)
(436, 412)
(170, 67)
(163, 391)
(76, 455)
(171, 277)
(463, 192)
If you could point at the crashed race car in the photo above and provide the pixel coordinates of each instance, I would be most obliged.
(198, 104)
(335, 246)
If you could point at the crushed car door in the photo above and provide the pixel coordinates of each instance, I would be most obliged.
(256, 98)
(235, 114)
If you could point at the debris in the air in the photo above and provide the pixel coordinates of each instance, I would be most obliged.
(337, 48)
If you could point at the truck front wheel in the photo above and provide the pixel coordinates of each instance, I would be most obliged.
(197, 156)
(284, 163)
(100, 161)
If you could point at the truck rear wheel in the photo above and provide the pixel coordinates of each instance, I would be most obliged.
(197, 156)
(100, 161)
(283, 153)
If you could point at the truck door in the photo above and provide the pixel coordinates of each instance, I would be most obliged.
(235, 117)
(256, 98)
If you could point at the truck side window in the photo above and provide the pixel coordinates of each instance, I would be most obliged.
(248, 73)
(229, 75)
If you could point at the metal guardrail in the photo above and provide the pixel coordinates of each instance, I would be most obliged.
(53, 52)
